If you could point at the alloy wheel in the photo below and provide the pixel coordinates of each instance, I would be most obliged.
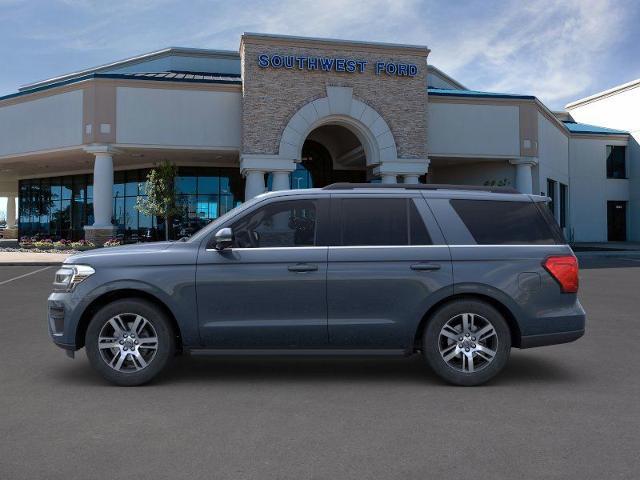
(468, 342)
(128, 342)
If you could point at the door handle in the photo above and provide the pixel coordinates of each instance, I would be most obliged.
(428, 267)
(302, 267)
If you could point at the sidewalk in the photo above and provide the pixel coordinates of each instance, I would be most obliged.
(31, 258)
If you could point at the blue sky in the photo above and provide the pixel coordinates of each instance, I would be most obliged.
(557, 50)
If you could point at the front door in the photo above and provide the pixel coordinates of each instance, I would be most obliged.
(617, 221)
(386, 269)
(269, 289)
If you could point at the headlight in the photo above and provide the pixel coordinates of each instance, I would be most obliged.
(71, 275)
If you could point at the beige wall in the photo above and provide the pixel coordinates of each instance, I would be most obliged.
(466, 129)
(50, 122)
(176, 117)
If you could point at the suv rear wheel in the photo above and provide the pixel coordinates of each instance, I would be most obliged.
(129, 341)
(467, 342)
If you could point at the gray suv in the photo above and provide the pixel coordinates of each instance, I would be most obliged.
(460, 274)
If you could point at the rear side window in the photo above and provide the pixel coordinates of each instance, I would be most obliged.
(382, 221)
(495, 222)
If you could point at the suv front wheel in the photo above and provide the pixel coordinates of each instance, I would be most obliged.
(467, 342)
(129, 341)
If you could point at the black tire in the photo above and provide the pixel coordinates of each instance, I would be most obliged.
(432, 343)
(163, 331)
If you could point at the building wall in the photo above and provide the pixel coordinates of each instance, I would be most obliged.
(190, 118)
(474, 173)
(553, 160)
(590, 189)
(620, 111)
(46, 123)
(271, 96)
(473, 129)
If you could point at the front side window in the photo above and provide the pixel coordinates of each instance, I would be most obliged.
(616, 164)
(495, 222)
(289, 223)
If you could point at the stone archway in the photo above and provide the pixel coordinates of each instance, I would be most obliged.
(340, 108)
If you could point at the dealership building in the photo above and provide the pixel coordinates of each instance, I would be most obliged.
(289, 112)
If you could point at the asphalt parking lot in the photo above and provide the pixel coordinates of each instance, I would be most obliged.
(567, 411)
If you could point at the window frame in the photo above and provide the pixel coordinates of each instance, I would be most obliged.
(609, 164)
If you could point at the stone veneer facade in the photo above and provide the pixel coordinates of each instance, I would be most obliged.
(272, 96)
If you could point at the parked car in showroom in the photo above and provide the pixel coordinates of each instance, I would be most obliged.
(460, 274)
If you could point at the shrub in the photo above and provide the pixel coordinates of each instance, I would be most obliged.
(112, 242)
(82, 245)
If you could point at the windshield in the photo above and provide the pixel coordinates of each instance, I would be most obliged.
(213, 226)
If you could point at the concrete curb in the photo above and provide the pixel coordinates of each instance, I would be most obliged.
(29, 264)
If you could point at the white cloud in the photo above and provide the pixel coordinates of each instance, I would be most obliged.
(546, 48)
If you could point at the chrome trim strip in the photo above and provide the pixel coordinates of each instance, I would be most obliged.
(347, 247)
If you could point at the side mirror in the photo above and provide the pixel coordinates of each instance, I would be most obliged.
(223, 238)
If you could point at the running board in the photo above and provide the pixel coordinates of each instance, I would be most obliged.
(320, 352)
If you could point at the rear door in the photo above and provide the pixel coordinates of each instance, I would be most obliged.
(387, 264)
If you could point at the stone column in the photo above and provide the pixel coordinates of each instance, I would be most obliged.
(524, 175)
(409, 169)
(11, 211)
(280, 181)
(102, 228)
(412, 179)
(253, 166)
(254, 183)
(389, 178)
(11, 232)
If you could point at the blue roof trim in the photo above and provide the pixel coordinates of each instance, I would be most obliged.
(445, 92)
(226, 80)
(585, 128)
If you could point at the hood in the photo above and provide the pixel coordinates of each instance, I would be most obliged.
(126, 254)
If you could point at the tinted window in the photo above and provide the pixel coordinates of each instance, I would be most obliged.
(382, 221)
(374, 221)
(495, 222)
(279, 224)
(616, 167)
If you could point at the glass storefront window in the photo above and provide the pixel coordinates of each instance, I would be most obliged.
(60, 207)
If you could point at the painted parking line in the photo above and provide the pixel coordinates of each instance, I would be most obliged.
(25, 275)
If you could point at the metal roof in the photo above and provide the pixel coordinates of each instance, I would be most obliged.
(445, 92)
(186, 77)
(585, 128)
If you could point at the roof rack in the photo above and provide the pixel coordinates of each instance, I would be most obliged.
(419, 186)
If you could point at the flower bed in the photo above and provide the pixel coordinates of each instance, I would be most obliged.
(46, 245)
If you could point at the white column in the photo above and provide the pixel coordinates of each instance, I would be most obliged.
(280, 181)
(412, 179)
(524, 175)
(11, 212)
(389, 178)
(103, 189)
(254, 185)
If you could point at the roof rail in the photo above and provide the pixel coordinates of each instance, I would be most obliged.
(419, 186)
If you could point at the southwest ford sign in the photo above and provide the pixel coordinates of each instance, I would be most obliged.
(334, 64)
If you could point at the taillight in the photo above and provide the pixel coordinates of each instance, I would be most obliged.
(564, 268)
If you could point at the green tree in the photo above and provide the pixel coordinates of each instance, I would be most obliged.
(161, 198)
